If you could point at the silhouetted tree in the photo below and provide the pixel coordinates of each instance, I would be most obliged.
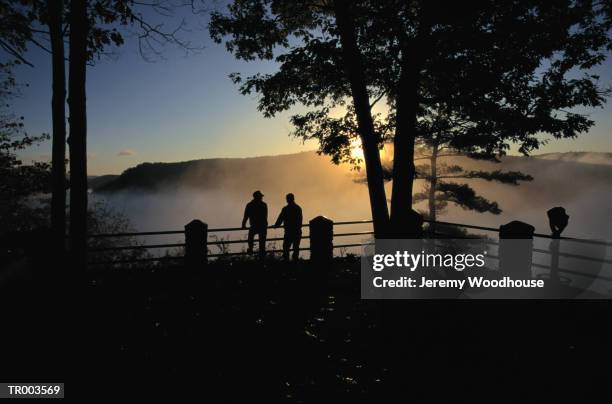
(19, 181)
(30, 17)
(505, 65)
(441, 135)
(55, 11)
(327, 68)
(353, 66)
(79, 31)
(100, 18)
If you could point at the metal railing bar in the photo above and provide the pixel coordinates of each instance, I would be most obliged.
(583, 240)
(253, 253)
(352, 245)
(539, 235)
(446, 236)
(569, 271)
(135, 247)
(127, 261)
(228, 229)
(146, 233)
(153, 246)
(357, 233)
(280, 251)
(222, 229)
(217, 242)
(352, 222)
(577, 256)
(469, 226)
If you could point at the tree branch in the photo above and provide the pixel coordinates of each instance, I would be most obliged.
(13, 52)
(377, 99)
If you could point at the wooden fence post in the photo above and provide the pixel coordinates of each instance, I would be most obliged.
(321, 239)
(196, 246)
(516, 249)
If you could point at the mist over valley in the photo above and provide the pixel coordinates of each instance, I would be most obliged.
(166, 196)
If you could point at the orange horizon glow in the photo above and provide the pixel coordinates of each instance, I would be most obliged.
(357, 151)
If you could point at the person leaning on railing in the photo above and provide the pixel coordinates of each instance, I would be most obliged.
(291, 219)
(256, 212)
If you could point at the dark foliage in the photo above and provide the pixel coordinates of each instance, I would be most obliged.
(510, 70)
(464, 196)
(22, 184)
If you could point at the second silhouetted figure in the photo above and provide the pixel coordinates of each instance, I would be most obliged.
(291, 218)
(256, 212)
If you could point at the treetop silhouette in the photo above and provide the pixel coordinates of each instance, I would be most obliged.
(513, 69)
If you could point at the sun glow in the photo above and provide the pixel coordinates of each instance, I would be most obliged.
(357, 151)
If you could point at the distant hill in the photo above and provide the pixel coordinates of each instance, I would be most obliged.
(97, 181)
(233, 173)
(579, 157)
(299, 171)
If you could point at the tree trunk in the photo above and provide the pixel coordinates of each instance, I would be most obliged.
(78, 132)
(369, 140)
(55, 9)
(403, 224)
(433, 183)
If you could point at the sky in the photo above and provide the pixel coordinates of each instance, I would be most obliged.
(184, 107)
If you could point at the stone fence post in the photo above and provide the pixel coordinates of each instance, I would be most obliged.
(516, 249)
(196, 248)
(321, 239)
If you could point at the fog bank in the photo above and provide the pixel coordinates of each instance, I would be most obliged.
(215, 191)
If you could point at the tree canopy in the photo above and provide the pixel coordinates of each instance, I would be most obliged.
(511, 70)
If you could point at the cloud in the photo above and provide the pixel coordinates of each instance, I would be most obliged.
(126, 152)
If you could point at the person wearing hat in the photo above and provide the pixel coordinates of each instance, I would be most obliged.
(256, 212)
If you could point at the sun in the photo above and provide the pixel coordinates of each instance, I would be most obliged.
(357, 150)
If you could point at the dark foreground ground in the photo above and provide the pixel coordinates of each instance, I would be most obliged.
(246, 332)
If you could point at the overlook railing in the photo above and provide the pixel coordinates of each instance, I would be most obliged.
(199, 230)
(321, 237)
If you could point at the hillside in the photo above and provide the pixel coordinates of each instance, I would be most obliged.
(98, 181)
(302, 173)
(310, 173)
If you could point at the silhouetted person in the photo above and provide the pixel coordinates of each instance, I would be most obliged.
(291, 219)
(256, 212)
